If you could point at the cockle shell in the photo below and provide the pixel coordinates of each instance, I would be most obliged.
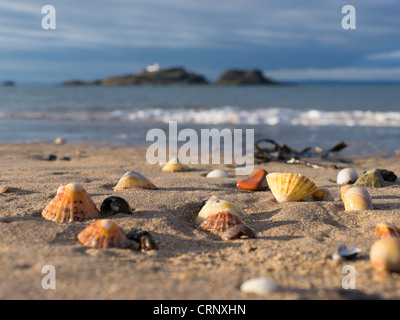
(218, 173)
(104, 234)
(215, 205)
(322, 194)
(220, 221)
(132, 180)
(175, 166)
(385, 230)
(72, 203)
(357, 198)
(347, 176)
(371, 179)
(385, 255)
(344, 189)
(288, 187)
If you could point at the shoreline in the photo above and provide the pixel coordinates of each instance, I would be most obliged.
(294, 245)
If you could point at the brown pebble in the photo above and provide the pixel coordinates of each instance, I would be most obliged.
(256, 182)
(238, 231)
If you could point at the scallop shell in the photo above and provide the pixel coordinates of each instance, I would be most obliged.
(104, 234)
(215, 204)
(288, 187)
(218, 173)
(132, 180)
(220, 221)
(175, 166)
(385, 255)
(371, 179)
(72, 203)
(322, 194)
(357, 198)
(347, 176)
(385, 230)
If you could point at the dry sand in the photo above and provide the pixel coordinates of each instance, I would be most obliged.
(294, 245)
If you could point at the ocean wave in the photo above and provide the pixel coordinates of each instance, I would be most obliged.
(226, 115)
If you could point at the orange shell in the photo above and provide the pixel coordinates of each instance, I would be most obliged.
(72, 203)
(104, 234)
(220, 221)
(386, 230)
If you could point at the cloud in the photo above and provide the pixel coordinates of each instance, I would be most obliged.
(384, 55)
(340, 74)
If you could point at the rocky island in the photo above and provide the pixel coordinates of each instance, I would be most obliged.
(244, 77)
(170, 76)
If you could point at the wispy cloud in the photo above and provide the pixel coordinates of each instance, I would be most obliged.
(384, 55)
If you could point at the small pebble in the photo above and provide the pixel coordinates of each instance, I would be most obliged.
(52, 157)
(256, 182)
(218, 173)
(260, 286)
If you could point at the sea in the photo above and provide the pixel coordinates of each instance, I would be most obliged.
(366, 117)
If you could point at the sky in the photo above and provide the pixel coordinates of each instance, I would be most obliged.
(289, 40)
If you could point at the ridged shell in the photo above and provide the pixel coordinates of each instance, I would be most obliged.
(132, 180)
(385, 230)
(104, 234)
(288, 187)
(371, 179)
(175, 166)
(357, 198)
(220, 221)
(322, 194)
(347, 176)
(214, 205)
(385, 255)
(72, 203)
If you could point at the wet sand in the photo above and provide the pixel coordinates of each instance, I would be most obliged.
(294, 245)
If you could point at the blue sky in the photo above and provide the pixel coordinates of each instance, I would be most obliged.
(290, 40)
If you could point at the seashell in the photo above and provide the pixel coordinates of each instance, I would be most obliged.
(387, 175)
(344, 189)
(256, 182)
(143, 238)
(220, 221)
(60, 140)
(218, 173)
(104, 234)
(4, 189)
(347, 176)
(214, 205)
(357, 198)
(371, 179)
(132, 180)
(238, 231)
(347, 254)
(72, 203)
(114, 205)
(260, 286)
(322, 194)
(288, 187)
(175, 166)
(385, 230)
(385, 255)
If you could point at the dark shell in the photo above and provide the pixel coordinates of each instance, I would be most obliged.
(114, 205)
(142, 237)
(387, 175)
(347, 254)
(238, 231)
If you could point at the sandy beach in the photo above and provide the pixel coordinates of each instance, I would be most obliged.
(294, 245)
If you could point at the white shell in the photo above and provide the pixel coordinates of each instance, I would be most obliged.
(218, 173)
(261, 286)
(347, 176)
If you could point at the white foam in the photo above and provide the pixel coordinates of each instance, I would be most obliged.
(272, 116)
